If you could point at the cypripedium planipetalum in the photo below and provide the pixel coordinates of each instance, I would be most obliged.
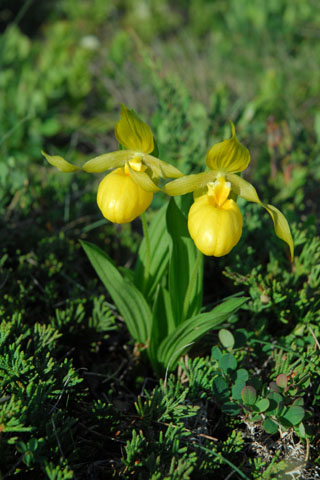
(215, 220)
(128, 190)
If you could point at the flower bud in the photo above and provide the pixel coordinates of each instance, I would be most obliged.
(214, 229)
(120, 199)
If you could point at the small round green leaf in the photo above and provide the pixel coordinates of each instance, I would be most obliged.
(33, 444)
(302, 430)
(255, 418)
(282, 381)
(276, 397)
(241, 337)
(237, 389)
(270, 426)
(216, 353)
(294, 415)
(273, 387)
(242, 374)
(21, 447)
(231, 408)
(293, 391)
(276, 402)
(226, 338)
(248, 395)
(262, 405)
(227, 363)
(28, 458)
(220, 388)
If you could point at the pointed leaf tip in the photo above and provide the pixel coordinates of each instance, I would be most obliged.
(247, 191)
(281, 227)
(60, 163)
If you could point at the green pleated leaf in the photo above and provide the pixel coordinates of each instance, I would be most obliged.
(230, 304)
(178, 342)
(185, 268)
(128, 299)
(162, 325)
(159, 256)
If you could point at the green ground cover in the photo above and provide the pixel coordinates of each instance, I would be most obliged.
(78, 399)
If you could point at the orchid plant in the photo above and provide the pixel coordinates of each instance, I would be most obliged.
(161, 299)
(215, 220)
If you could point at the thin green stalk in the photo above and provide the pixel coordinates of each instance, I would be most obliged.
(225, 460)
(22, 12)
(14, 128)
(148, 252)
(193, 278)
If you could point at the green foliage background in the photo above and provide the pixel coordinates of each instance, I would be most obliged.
(75, 399)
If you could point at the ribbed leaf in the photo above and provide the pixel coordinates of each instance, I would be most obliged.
(183, 268)
(192, 329)
(159, 255)
(128, 299)
(230, 304)
(162, 325)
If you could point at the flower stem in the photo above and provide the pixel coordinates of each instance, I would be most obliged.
(148, 253)
(193, 278)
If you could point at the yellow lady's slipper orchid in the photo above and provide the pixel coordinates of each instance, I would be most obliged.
(120, 199)
(215, 221)
(126, 192)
